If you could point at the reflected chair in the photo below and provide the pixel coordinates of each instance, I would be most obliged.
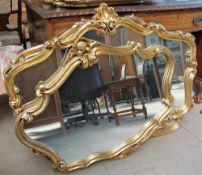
(112, 87)
(11, 35)
(125, 92)
(84, 86)
(125, 86)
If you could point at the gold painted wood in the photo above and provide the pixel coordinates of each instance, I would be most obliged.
(84, 52)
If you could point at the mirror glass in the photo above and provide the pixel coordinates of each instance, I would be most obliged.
(177, 89)
(108, 103)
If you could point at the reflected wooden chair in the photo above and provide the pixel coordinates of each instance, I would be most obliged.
(9, 34)
(125, 86)
(128, 84)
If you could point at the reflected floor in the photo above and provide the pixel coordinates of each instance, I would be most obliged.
(85, 138)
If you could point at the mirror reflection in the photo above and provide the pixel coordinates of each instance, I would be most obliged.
(177, 89)
(100, 107)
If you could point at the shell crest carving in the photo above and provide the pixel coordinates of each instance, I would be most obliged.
(107, 18)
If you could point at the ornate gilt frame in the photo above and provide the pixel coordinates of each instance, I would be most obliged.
(83, 52)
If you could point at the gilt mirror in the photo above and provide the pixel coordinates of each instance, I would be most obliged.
(101, 89)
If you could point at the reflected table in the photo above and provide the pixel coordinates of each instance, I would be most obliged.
(125, 87)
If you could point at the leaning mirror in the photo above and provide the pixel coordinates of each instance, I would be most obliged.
(100, 89)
